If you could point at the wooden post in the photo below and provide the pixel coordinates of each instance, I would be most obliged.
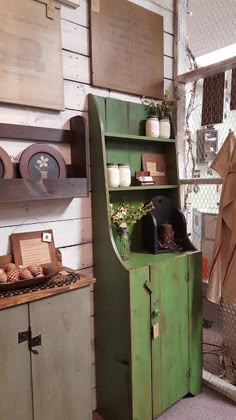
(180, 32)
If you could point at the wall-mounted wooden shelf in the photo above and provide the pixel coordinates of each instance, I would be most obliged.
(76, 185)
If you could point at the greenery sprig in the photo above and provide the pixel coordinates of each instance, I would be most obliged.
(161, 109)
(125, 214)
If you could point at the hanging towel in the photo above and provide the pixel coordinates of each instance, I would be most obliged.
(213, 99)
(222, 278)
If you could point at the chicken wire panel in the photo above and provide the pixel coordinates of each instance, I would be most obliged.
(203, 142)
(219, 340)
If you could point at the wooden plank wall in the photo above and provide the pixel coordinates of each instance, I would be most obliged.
(71, 219)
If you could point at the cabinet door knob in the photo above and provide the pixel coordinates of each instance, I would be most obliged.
(155, 312)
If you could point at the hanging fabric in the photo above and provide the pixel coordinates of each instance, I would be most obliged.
(233, 90)
(222, 278)
(213, 99)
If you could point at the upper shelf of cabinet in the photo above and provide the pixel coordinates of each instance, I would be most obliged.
(132, 137)
(76, 185)
(144, 187)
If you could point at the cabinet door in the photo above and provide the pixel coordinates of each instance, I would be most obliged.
(169, 314)
(15, 373)
(61, 372)
(140, 344)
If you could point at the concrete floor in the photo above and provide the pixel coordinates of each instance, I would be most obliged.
(207, 406)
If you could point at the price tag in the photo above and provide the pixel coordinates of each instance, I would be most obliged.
(155, 330)
(47, 237)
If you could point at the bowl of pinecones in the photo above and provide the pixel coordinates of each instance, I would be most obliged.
(15, 277)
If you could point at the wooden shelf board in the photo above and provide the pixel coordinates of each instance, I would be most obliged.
(137, 138)
(146, 187)
(7, 302)
(18, 189)
(142, 258)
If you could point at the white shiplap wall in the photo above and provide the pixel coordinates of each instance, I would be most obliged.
(71, 219)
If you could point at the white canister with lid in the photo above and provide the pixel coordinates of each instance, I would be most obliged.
(125, 174)
(152, 127)
(113, 176)
(165, 128)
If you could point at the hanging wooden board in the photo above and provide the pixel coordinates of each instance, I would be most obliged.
(31, 57)
(127, 48)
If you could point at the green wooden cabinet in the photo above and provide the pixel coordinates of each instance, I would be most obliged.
(54, 384)
(148, 309)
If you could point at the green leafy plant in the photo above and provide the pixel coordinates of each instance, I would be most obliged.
(151, 107)
(166, 107)
(161, 109)
(125, 214)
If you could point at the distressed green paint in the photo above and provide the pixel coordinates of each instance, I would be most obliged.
(117, 154)
(170, 349)
(195, 322)
(102, 109)
(137, 119)
(123, 306)
(140, 345)
(117, 116)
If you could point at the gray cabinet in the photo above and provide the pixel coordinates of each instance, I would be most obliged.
(54, 384)
(15, 370)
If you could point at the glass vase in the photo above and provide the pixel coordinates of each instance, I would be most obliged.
(124, 245)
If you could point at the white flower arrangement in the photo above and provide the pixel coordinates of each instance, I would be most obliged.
(124, 215)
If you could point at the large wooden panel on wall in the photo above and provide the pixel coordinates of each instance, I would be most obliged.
(127, 48)
(31, 57)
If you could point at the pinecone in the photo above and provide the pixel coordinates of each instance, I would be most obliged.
(13, 276)
(3, 276)
(35, 269)
(25, 274)
(9, 267)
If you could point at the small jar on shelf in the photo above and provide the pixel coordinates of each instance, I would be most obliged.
(152, 127)
(165, 128)
(113, 175)
(124, 174)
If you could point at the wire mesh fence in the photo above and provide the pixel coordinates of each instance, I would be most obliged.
(201, 187)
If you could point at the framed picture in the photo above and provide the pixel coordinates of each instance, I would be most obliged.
(40, 161)
(6, 165)
(157, 166)
(34, 248)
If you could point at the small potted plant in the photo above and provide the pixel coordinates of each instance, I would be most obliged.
(164, 112)
(152, 121)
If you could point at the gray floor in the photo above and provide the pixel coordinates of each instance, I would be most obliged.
(207, 406)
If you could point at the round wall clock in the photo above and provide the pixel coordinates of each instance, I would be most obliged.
(40, 161)
(6, 165)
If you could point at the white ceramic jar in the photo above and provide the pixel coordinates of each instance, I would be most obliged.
(125, 174)
(165, 128)
(113, 175)
(152, 127)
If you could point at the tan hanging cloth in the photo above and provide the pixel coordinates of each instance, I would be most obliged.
(222, 278)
